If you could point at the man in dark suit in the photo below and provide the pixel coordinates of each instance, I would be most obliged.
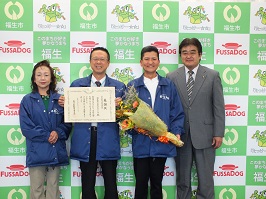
(202, 98)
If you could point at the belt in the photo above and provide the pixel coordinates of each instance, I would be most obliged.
(94, 128)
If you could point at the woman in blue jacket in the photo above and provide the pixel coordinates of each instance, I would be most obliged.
(150, 155)
(42, 123)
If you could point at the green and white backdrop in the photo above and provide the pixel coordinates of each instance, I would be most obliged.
(233, 36)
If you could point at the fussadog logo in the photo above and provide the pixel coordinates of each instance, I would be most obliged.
(163, 47)
(78, 173)
(228, 170)
(168, 173)
(16, 170)
(231, 49)
(231, 110)
(13, 110)
(87, 47)
(14, 46)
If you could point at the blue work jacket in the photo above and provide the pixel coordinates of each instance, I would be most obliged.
(168, 108)
(37, 123)
(108, 140)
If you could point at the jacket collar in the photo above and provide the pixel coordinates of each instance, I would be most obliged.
(53, 95)
(140, 81)
(87, 81)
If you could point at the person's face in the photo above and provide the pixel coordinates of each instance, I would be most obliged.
(99, 62)
(150, 62)
(190, 56)
(42, 78)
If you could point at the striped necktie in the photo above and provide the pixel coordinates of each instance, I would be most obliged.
(190, 84)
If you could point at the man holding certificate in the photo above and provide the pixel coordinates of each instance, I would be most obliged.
(97, 142)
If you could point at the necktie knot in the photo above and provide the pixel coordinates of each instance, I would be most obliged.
(190, 72)
(98, 84)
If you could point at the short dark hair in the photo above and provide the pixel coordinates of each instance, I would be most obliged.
(52, 85)
(102, 49)
(190, 41)
(149, 49)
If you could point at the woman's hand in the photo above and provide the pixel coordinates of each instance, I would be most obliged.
(61, 100)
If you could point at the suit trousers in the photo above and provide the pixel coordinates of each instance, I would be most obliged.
(38, 176)
(89, 169)
(204, 159)
(149, 169)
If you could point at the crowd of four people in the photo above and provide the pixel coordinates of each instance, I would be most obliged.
(195, 116)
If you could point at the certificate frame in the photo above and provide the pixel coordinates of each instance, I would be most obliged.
(89, 104)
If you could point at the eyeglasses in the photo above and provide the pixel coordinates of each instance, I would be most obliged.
(96, 59)
(186, 53)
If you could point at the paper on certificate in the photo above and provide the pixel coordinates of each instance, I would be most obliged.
(89, 104)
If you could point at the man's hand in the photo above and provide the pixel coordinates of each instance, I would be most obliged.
(117, 101)
(53, 137)
(217, 142)
(61, 100)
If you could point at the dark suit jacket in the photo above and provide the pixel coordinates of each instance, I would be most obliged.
(205, 114)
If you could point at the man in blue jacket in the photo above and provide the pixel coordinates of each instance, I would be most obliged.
(150, 155)
(94, 143)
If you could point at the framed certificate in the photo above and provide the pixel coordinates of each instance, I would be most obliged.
(89, 104)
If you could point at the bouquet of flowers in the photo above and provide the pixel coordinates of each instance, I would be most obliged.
(133, 113)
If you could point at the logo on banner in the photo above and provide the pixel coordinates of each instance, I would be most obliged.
(14, 46)
(164, 194)
(61, 196)
(231, 49)
(163, 47)
(87, 47)
(224, 192)
(88, 16)
(261, 75)
(13, 15)
(52, 12)
(124, 75)
(162, 70)
(231, 80)
(85, 71)
(194, 194)
(258, 194)
(16, 170)
(126, 194)
(161, 17)
(228, 140)
(78, 173)
(228, 170)
(260, 138)
(232, 110)
(196, 15)
(15, 137)
(58, 75)
(229, 15)
(13, 110)
(262, 14)
(18, 194)
(14, 79)
(168, 173)
(125, 13)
